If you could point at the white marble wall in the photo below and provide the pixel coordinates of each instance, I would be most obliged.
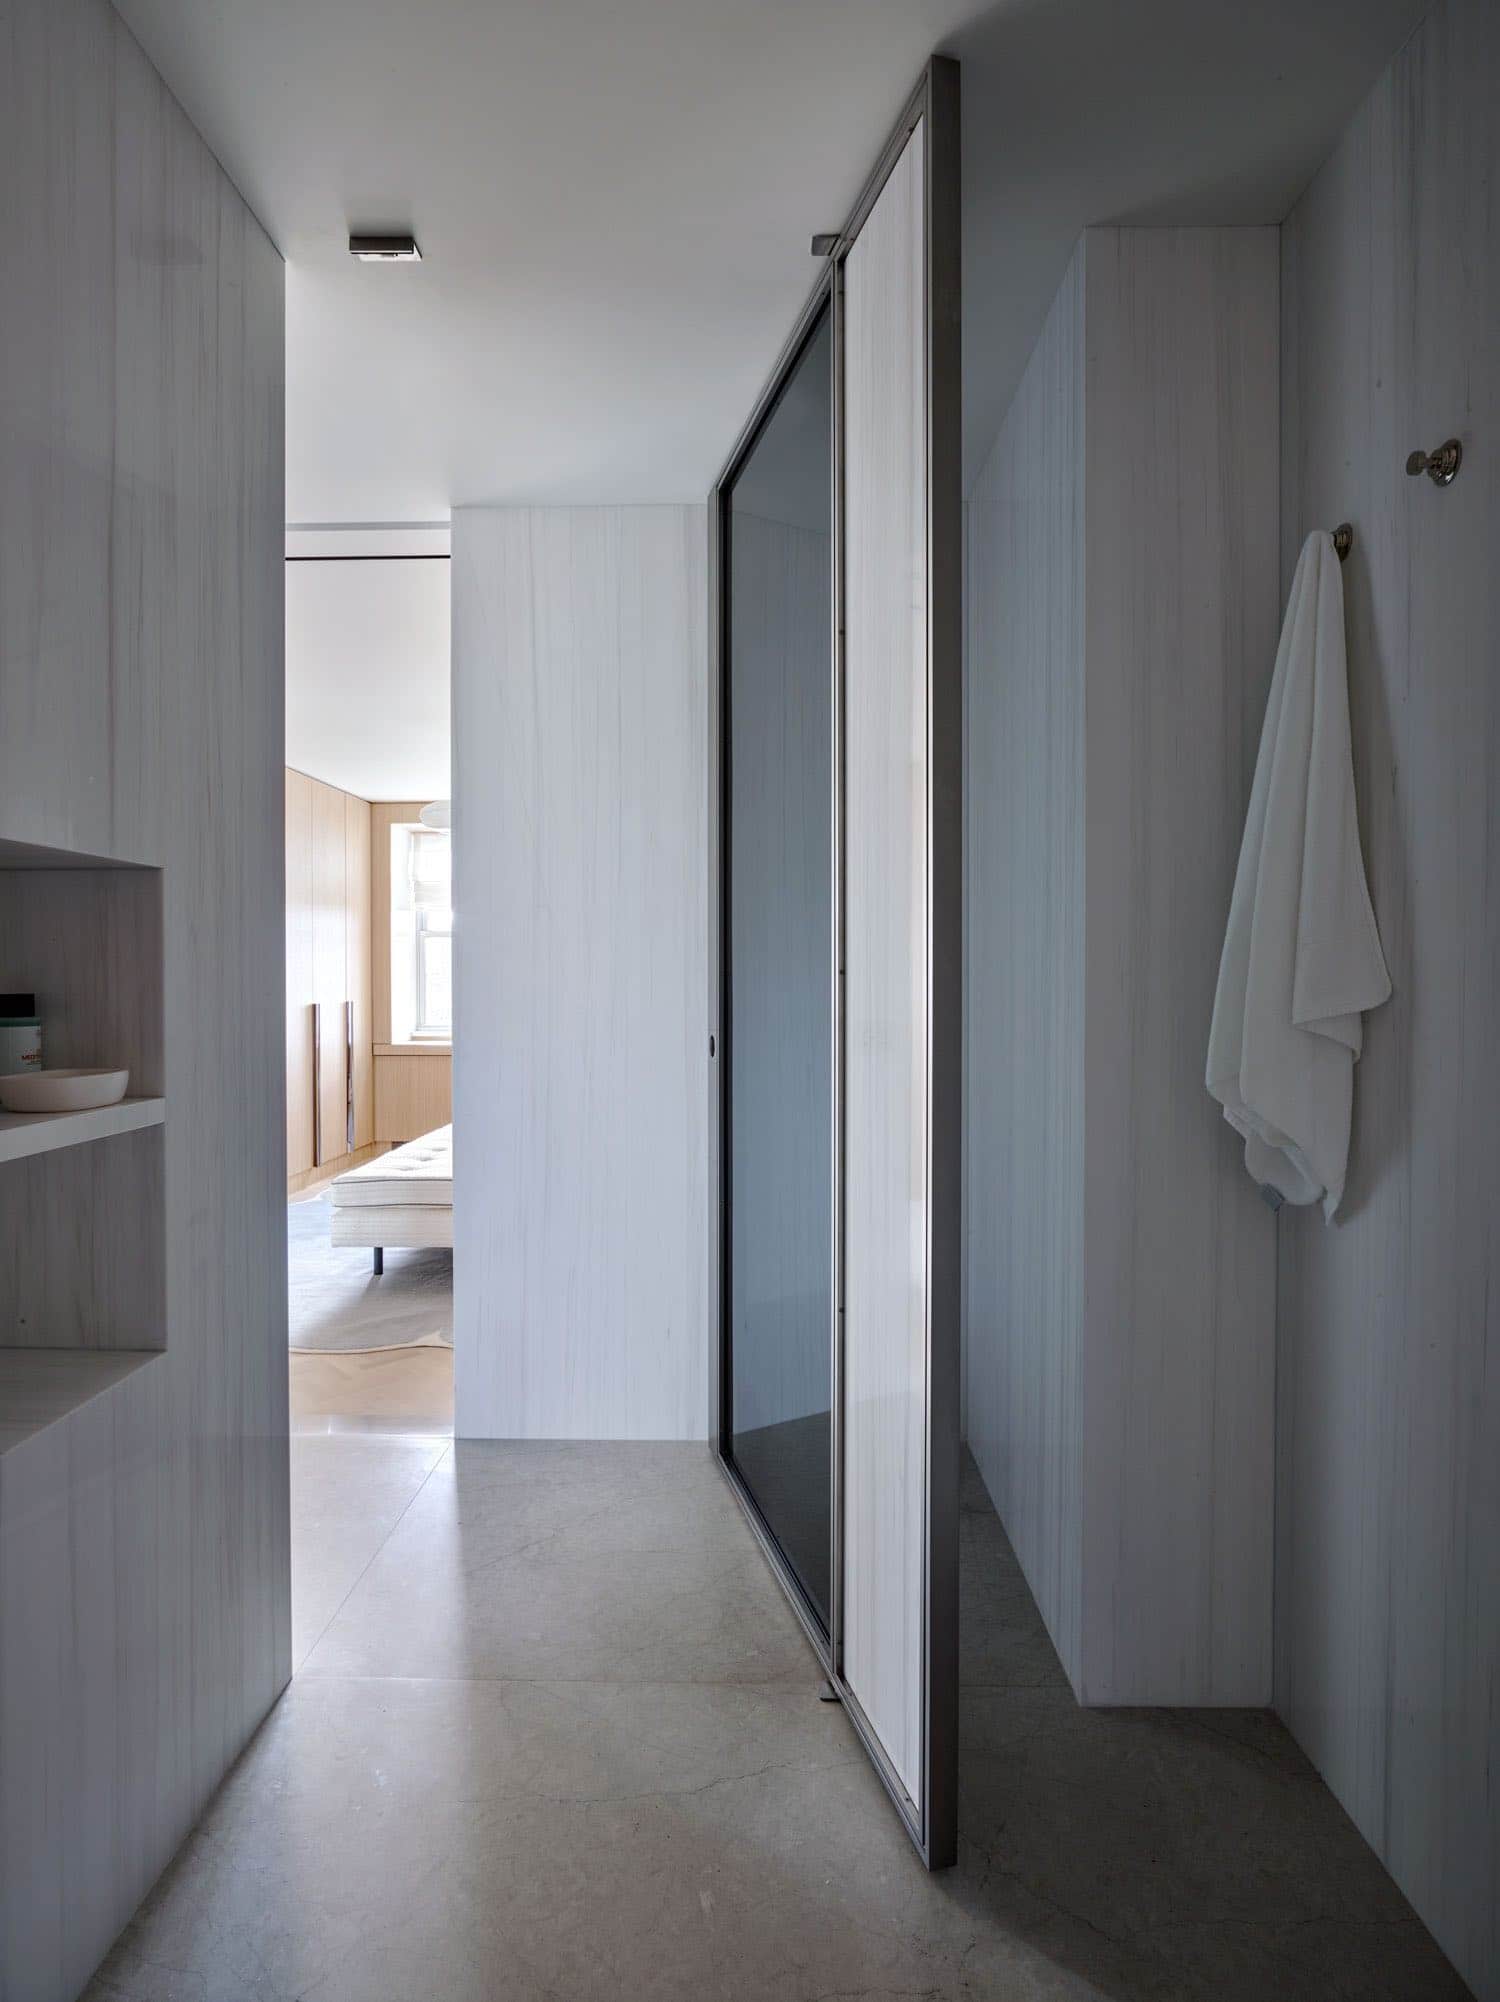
(1023, 937)
(141, 392)
(1119, 1281)
(1388, 1391)
(1182, 611)
(580, 1031)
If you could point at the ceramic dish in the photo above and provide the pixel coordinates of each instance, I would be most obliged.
(62, 1090)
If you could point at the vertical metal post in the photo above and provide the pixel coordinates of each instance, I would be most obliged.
(836, 1429)
(942, 231)
(931, 1820)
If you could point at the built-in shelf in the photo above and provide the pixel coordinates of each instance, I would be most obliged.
(26, 1133)
(83, 1249)
(40, 1387)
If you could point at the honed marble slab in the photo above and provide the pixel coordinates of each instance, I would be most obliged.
(1388, 1391)
(40, 1386)
(1123, 609)
(580, 1032)
(144, 1537)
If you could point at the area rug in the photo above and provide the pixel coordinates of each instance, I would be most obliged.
(336, 1304)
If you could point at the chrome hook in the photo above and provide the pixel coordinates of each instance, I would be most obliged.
(1441, 466)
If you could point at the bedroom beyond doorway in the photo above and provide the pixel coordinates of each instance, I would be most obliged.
(369, 980)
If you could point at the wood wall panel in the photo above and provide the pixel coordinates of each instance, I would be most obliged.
(1388, 1394)
(141, 631)
(887, 954)
(580, 1038)
(413, 1093)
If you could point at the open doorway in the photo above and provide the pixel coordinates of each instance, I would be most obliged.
(369, 932)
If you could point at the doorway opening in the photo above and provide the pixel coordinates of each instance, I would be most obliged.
(369, 1044)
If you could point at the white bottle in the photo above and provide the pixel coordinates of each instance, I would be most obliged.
(20, 1034)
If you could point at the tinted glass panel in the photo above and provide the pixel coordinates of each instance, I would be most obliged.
(779, 719)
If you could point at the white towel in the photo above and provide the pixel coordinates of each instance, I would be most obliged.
(1301, 956)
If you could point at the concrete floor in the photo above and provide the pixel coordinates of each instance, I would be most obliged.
(554, 1734)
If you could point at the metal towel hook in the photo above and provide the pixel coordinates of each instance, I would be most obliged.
(1343, 540)
(1441, 466)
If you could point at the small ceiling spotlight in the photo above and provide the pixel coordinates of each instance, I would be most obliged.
(385, 249)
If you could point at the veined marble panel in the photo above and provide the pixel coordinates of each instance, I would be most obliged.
(1182, 612)
(1023, 928)
(141, 535)
(1123, 612)
(580, 1034)
(1388, 1391)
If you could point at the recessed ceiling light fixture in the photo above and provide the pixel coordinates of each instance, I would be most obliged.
(385, 249)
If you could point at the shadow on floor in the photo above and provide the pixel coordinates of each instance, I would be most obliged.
(1158, 1853)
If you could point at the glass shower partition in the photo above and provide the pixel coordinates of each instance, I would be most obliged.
(780, 966)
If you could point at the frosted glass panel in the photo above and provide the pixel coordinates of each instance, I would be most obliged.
(887, 959)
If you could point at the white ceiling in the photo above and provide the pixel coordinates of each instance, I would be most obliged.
(367, 668)
(614, 198)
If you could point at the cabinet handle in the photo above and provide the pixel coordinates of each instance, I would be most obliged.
(348, 1077)
(317, 1078)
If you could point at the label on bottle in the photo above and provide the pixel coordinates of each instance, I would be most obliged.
(20, 1048)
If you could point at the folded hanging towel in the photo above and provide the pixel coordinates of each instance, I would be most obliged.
(1302, 956)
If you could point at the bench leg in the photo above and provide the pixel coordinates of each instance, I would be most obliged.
(379, 1260)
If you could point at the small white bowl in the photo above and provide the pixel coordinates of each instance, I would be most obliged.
(62, 1090)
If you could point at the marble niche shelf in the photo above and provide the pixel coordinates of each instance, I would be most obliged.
(25, 1133)
(82, 1194)
(38, 1387)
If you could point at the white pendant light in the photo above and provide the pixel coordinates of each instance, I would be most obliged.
(439, 814)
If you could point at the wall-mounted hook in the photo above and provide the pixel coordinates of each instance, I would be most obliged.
(1441, 466)
(1343, 540)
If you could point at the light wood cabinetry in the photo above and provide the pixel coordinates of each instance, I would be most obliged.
(328, 975)
(413, 1093)
(299, 974)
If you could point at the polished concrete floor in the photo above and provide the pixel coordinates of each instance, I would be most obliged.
(554, 1734)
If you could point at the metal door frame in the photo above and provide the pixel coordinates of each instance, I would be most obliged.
(933, 107)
